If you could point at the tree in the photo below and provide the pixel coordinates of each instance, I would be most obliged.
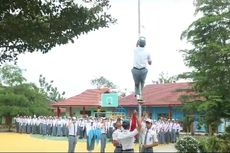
(52, 92)
(19, 97)
(209, 57)
(22, 99)
(40, 25)
(101, 81)
(164, 78)
(11, 75)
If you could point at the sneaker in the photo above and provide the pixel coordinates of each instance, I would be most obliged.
(141, 100)
(138, 97)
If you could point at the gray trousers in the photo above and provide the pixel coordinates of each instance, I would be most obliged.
(17, 126)
(173, 135)
(72, 140)
(139, 77)
(103, 142)
(148, 150)
(167, 137)
(54, 130)
(161, 137)
(128, 151)
(118, 149)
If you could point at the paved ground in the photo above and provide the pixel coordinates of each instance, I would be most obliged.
(13, 142)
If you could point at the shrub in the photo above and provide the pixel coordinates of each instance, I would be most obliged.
(227, 129)
(187, 144)
(214, 144)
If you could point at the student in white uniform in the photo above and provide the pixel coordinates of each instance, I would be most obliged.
(72, 138)
(139, 70)
(149, 137)
(116, 143)
(102, 126)
(127, 137)
(90, 138)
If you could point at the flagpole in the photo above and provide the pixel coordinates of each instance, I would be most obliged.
(139, 105)
(139, 18)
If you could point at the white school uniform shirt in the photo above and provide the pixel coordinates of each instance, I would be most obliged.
(127, 139)
(28, 121)
(60, 123)
(17, 119)
(38, 121)
(151, 136)
(141, 57)
(102, 126)
(33, 121)
(97, 124)
(81, 123)
(174, 126)
(25, 121)
(20, 121)
(170, 126)
(65, 122)
(154, 127)
(89, 127)
(71, 128)
(50, 121)
(54, 122)
(166, 127)
(115, 134)
(161, 127)
(178, 128)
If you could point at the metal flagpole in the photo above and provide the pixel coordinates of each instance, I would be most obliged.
(139, 18)
(139, 104)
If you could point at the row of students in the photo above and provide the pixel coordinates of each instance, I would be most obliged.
(97, 129)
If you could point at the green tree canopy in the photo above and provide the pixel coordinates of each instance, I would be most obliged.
(19, 97)
(48, 89)
(102, 81)
(11, 75)
(210, 57)
(164, 78)
(40, 25)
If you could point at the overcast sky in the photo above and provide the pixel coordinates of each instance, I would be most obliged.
(108, 52)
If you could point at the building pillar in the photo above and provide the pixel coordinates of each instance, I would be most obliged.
(58, 112)
(83, 113)
(170, 112)
(70, 111)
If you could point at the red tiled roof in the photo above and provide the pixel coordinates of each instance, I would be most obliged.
(90, 97)
(158, 95)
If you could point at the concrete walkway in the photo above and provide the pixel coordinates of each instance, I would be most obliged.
(165, 148)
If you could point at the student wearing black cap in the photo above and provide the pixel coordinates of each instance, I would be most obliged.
(127, 137)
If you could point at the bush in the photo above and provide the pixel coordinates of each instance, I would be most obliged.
(227, 129)
(187, 144)
(214, 144)
(209, 144)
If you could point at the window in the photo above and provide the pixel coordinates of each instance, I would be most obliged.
(85, 112)
(165, 115)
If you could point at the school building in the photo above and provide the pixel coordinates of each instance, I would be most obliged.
(160, 100)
